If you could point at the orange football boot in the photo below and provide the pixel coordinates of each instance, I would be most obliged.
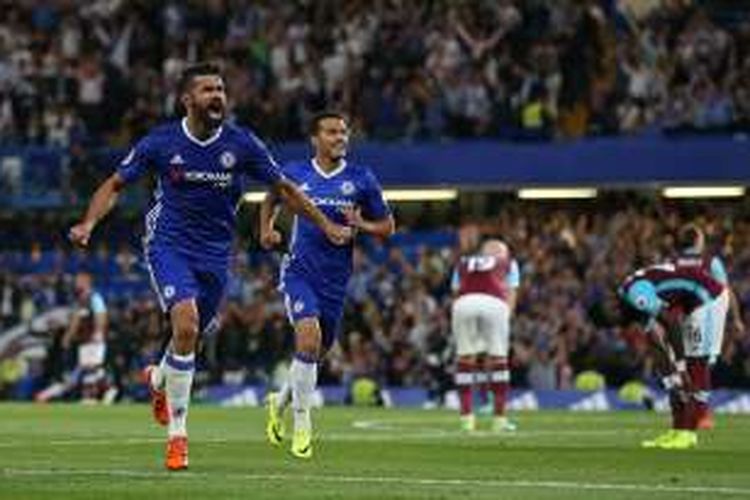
(177, 453)
(159, 406)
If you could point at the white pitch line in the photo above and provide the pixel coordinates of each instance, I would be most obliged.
(405, 481)
(373, 433)
(394, 426)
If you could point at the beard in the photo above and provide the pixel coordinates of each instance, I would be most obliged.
(212, 115)
(338, 152)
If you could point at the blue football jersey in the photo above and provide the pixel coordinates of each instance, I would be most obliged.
(311, 254)
(199, 183)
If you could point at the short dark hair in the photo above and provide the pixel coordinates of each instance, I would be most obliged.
(688, 237)
(320, 116)
(194, 70)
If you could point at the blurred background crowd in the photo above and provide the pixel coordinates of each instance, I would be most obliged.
(402, 70)
(397, 325)
(87, 77)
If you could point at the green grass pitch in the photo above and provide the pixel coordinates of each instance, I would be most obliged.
(71, 451)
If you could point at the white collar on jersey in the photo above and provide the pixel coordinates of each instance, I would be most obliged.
(332, 173)
(199, 142)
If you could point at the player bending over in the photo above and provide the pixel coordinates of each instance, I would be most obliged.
(692, 255)
(200, 163)
(485, 285)
(669, 302)
(314, 274)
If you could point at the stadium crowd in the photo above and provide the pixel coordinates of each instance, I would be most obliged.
(397, 329)
(532, 69)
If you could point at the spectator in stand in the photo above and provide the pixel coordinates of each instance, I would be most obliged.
(396, 329)
(399, 69)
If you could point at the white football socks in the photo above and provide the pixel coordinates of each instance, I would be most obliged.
(158, 377)
(303, 376)
(178, 373)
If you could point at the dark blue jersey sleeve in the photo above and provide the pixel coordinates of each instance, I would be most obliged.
(373, 203)
(138, 160)
(260, 165)
(292, 172)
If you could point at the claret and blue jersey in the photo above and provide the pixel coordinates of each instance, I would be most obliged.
(651, 290)
(190, 225)
(315, 272)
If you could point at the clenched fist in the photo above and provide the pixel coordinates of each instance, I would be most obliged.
(80, 233)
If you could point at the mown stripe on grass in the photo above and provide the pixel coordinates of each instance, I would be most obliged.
(386, 480)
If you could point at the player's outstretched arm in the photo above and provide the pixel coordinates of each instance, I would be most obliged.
(299, 203)
(101, 203)
(383, 228)
(269, 211)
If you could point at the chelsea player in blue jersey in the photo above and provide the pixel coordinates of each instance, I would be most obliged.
(201, 163)
(315, 273)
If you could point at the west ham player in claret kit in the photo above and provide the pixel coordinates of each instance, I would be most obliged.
(672, 304)
(692, 255)
(200, 163)
(485, 287)
(315, 273)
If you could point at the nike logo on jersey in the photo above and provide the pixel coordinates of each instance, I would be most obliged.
(304, 187)
(177, 160)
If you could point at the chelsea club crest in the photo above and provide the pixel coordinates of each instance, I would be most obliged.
(227, 159)
(347, 188)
